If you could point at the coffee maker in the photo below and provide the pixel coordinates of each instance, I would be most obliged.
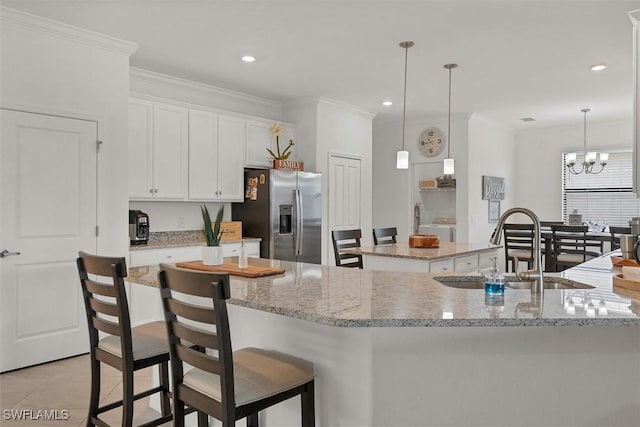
(138, 227)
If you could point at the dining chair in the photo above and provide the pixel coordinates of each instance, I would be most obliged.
(383, 236)
(346, 239)
(225, 385)
(124, 348)
(518, 243)
(615, 235)
(571, 246)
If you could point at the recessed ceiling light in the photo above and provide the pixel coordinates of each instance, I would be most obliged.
(598, 67)
(528, 119)
(387, 103)
(248, 58)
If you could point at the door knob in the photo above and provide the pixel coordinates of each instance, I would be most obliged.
(6, 253)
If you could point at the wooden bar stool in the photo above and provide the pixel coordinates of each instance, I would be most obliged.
(345, 239)
(382, 236)
(124, 348)
(228, 385)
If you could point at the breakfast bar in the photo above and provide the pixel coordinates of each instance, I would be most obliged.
(392, 348)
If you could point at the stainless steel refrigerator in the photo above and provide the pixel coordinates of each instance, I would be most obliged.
(284, 208)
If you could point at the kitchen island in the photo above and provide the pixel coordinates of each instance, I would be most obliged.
(449, 257)
(402, 349)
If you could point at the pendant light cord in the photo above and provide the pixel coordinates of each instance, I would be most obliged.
(449, 123)
(404, 106)
(585, 133)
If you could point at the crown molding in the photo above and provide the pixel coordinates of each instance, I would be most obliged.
(387, 120)
(344, 105)
(315, 100)
(65, 31)
(504, 127)
(190, 84)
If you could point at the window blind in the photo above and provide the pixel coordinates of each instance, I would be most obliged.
(604, 197)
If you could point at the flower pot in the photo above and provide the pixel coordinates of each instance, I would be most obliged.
(212, 255)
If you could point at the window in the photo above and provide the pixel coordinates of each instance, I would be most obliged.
(604, 197)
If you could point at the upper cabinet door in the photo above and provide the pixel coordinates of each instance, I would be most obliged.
(203, 155)
(232, 136)
(170, 151)
(258, 140)
(140, 149)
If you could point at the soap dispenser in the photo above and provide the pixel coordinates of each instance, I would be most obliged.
(494, 284)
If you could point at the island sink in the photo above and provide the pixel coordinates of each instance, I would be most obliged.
(477, 282)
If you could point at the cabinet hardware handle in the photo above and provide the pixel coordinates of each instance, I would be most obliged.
(6, 253)
(151, 190)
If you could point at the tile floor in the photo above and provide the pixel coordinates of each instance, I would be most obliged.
(65, 384)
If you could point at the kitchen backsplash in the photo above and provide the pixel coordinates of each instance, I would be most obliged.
(177, 216)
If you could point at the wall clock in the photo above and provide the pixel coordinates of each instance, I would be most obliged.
(431, 142)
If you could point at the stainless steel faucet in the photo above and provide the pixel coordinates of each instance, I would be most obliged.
(535, 275)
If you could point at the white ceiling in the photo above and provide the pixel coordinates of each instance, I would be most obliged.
(516, 58)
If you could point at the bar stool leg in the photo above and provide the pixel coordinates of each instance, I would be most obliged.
(94, 400)
(203, 419)
(308, 406)
(178, 412)
(127, 398)
(165, 403)
(252, 420)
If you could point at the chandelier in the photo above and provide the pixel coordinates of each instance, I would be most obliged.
(590, 157)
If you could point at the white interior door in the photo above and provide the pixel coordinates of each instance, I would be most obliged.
(48, 213)
(344, 195)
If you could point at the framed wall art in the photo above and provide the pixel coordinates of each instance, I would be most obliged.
(494, 210)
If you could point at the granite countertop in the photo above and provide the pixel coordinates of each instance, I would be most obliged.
(176, 239)
(402, 250)
(346, 297)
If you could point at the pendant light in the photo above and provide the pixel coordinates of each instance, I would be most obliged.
(402, 157)
(589, 156)
(449, 163)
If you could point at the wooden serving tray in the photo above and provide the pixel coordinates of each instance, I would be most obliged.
(620, 282)
(618, 261)
(231, 268)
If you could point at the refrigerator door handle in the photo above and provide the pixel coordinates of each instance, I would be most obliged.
(298, 223)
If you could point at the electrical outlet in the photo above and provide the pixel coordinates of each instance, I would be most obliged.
(180, 222)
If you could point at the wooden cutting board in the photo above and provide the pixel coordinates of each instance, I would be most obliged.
(231, 268)
(618, 261)
(620, 282)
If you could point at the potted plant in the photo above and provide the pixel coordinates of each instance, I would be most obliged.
(280, 159)
(212, 252)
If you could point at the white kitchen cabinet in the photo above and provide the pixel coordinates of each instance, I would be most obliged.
(140, 143)
(259, 139)
(157, 151)
(444, 266)
(465, 264)
(216, 156)
(170, 151)
(232, 136)
(203, 155)
(143, 257)
(168, 255)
